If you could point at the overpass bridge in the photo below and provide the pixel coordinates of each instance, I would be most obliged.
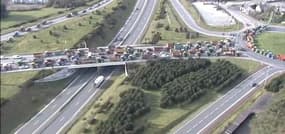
(118, 63)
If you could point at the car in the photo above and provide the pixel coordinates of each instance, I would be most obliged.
(17, 34)
(253, 84)
(17, 57)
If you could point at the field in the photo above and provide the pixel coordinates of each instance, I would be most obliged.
(18, 17)
(69, 34)
(25, 98)
(274, 42)
(159, 120)
(248, 65)
(173, 21)
(195, 14)
(27, 18)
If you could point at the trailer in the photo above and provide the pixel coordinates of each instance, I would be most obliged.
(98, 81)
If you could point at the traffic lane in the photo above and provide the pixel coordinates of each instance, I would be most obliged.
(190, 22)
(263, 59)
(229, 101)
(54, 21)
(203, 118)
(142, 23)
(53, 105)
(71, 110)
(65, 99)
(129, 23)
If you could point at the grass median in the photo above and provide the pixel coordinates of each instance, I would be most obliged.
(199, 20)
(171, 28)
(159, 120)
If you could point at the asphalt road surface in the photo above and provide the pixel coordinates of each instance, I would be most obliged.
(214, 112)
(55, 21)
(39, 121)
(61, 111)
(190, 22)
(135, 24)
(72, 110)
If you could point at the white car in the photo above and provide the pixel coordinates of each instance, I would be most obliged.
(17, 57)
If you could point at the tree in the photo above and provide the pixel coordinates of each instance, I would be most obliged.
(4, 12)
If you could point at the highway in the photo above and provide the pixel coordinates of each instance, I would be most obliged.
(72, 110)
(190, 22)
(218, 108)
(55, 21)
(203, 122)
(58, 103)
(135, 24)
(64, 109)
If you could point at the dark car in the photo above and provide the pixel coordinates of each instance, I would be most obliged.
(253, 84)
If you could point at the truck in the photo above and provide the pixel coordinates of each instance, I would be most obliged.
(98, 81)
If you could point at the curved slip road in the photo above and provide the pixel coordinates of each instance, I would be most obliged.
(214, 112)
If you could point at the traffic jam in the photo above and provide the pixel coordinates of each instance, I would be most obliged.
(116, 54)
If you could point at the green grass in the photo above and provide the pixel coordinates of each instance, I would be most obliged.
(199, 20)
(274, 42)
(223, 125)
(159, 120)
(32, 17)
(111, 92)
(67, 38)
(249, 66)
(173, 20)
(271, 119)
(17, 17)
(11, 82)
(25, 100)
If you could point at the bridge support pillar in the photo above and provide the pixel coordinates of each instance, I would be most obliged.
(126, 70)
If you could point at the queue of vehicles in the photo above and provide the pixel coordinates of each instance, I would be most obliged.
(119, 53)
(250, 40)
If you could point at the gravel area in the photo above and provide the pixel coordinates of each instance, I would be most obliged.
(212, 16)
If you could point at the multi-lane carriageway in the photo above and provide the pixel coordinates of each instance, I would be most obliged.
(65, 108)
(208, 118)
(198, 124)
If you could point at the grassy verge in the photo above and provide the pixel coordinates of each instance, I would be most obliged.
(199, 20)
(159, 120)
(29, 18)
(25, 98)
(271, 119)
(248, 65)
(112, 94)
(274, 42)
(69, 34)
(174, 22)
(232, 118)
(18, 17)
